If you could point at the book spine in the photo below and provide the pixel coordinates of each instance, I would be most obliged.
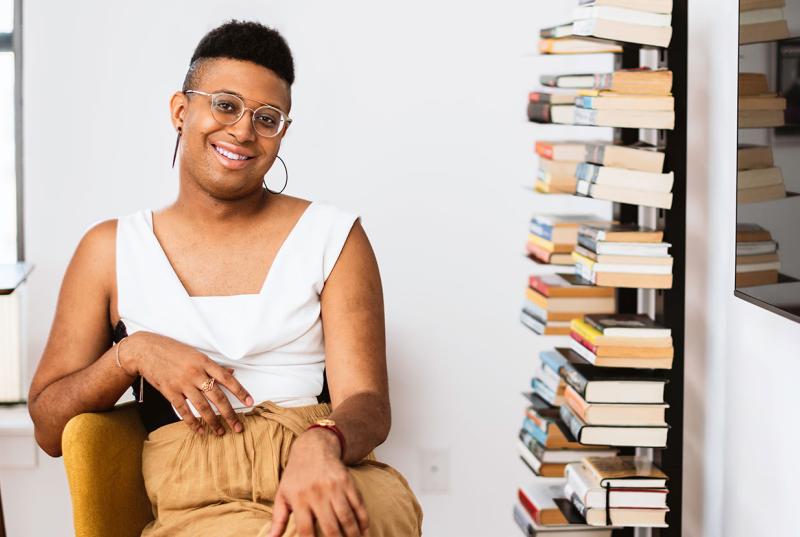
(538, 313)
(542, 230)
(587, 172)
(544, 150)
(587, 242)
(578, 503)
(537, 449)
(539, 97)
(570, 421)
(584, 101)
(538, 285)
(522, 522)
(532, 322)
(583, 341)
(529, 507)
(539, 435)
(572, 377)
(593, 323)
(595, 153)
(543, 391)
(603, 80)
(549, 80)
(539, 112)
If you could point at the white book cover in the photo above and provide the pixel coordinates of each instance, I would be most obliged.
(621, 14)
(593, 496)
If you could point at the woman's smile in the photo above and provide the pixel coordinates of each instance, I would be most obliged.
(232, 157)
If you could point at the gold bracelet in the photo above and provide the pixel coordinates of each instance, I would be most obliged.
(119, 343)
(141, 377)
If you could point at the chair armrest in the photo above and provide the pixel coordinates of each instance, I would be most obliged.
(103, 459)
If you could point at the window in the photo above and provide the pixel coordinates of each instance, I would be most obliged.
(10, 129)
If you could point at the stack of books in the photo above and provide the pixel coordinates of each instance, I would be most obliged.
(622, 340)
(762, 20)
(552, 238)
(553, 300)
(633, 98)
(757, 261)
(619, 491)
(542, 509)
(757, 106)
(548, 107)
(623, 255)
(543, 443)
(758, 178)
(629, 21)
(615, 406)
(637, 187)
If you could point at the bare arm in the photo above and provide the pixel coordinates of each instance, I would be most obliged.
(316, 485)
(77, 371)
(355, 347)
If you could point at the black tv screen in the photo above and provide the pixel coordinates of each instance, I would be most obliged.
(768, 158)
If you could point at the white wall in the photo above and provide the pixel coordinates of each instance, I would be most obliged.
(411, 114)
(741, 365)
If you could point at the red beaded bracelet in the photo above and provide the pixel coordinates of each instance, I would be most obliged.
(330, 425)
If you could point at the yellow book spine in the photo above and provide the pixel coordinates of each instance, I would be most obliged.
(582, 259)
(585, 330)
(542, 243)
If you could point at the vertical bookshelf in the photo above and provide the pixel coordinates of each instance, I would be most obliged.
(666, 306)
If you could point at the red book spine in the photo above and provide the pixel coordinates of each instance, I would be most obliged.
(582, 340)
(529, 507)
(544, 150)
(534, 281)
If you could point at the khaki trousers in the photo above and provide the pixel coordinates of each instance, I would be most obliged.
(203, 485)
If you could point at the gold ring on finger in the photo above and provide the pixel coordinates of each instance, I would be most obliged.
(207, 384)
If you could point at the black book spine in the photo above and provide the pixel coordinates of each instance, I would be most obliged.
(539, 112)
(593, 323)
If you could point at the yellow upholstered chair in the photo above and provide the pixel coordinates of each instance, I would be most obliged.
(103, 458)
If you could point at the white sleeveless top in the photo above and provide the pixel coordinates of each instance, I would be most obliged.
(273, 339)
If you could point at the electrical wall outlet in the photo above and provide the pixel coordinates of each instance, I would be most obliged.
(434, 468)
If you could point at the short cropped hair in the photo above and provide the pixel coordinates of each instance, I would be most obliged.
(242, 40)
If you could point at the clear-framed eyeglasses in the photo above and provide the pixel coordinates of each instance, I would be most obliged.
(227, 109)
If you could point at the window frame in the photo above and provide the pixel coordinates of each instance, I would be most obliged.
(12, 42)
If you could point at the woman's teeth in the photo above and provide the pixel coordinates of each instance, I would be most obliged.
(228, 154)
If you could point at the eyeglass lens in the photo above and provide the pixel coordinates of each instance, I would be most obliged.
(228, 109)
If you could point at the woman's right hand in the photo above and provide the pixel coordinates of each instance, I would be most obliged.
(177, 371)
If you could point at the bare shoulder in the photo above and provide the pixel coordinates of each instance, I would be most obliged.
(95, 254)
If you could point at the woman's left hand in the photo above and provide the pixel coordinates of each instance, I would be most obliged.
(316, 485)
